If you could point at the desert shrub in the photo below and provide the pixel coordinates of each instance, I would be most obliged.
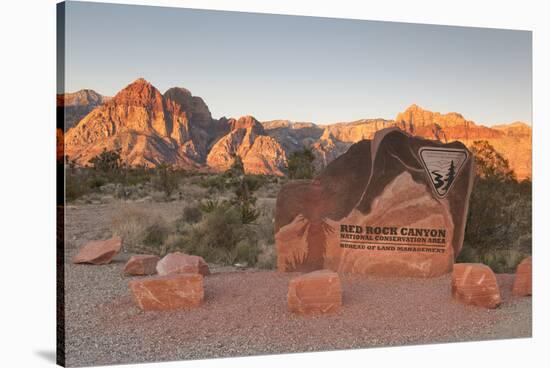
(243, 198)
(220, 237)
(96, 182)
(191, 214)
(76, 185)
(209, 205)
(141, 230)
(500, 261)
(265, 225)
(215, 182)
(246, 252)
(106, 161)
(499, 223)
(165, 179)
(237, 167)
(300, 164)
(176, 241)
(128, 222)
(248, 213)
(155, 235)
(192, 190)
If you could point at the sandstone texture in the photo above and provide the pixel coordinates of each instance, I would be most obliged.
(315, 292)
(475, 284)
(177, 262)
(176, 128)
(168, 292)
(260, 153)
(147, 127)
(524, 278)
(386, 207)
(99, 251)
(141, 265)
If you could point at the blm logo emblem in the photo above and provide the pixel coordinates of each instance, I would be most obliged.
(442, 166)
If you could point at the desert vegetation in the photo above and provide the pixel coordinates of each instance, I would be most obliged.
(227, 218)
(498, 230)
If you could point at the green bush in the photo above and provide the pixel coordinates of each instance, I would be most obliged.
(165, 179)
(191, 214)
(220, 237)
(300, 164)
(499, 223)
(246, 252)
(107, 161)
(155, 235)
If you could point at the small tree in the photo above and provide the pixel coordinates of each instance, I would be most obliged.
(107, 161)
(490, 164)
(300, 164)
(166, 179)
(237, 168)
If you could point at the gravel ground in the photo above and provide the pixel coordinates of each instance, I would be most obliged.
(244, 313)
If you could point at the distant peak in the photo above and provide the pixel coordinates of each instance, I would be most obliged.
(138, 92)
(140, 80)
(246, 122)
(177, 91)
(138, 84)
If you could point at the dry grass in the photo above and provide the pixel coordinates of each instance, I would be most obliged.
(131, 223)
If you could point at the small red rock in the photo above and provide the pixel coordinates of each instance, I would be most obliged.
(168, 292)
(315, 292)
(178, 262)
(476, 284)
(524, 278)
(143, 264)
(99, 251)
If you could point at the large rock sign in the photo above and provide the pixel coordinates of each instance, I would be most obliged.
(393, 206)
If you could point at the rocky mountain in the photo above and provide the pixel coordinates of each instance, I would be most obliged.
(260, 153)
(330, 141)
(149, 128)
(513, 141)
(79, 104)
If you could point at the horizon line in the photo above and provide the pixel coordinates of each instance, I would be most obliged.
(510, 122)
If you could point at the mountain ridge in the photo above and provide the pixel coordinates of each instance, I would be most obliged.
(150, 127)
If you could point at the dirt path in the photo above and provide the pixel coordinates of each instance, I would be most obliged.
(245, 313)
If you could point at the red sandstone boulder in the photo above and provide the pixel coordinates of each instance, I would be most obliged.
(523, 281)
(99, 251)
(476, 284)
(393, 206)
(178, 262)
(142, 264)
(315, 292)
(168, 292)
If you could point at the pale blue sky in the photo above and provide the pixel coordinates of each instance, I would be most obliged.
(301, 68)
